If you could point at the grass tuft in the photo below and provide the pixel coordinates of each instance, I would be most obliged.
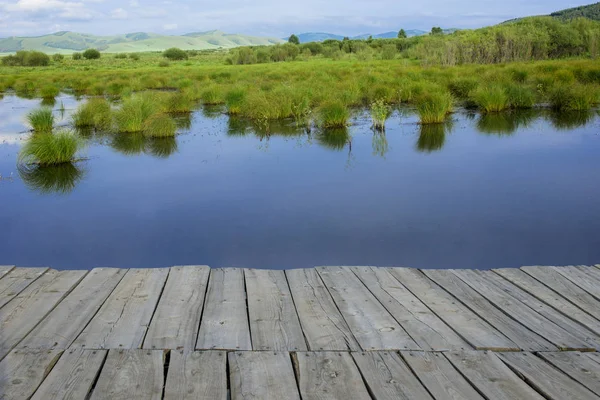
(433, 108)
(50, 148)
(380, 112)
(160, 125)
(333, 114)
(134, 112)
(234, 99)
(491, 98)
(41, 120)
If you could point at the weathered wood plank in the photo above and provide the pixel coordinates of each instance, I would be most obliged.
(131, 374)
(63, 324)
(262, 375)
(22, 371)
(578, 366)
(582, 277)
(225, 318)
(555, 290)
(274, 323)
(523, 337)
(197, 375)
(15, 280)
(491, 376)
(329, 375)
(426, 328)
(594, 356)
(323, 326)
(477, 332)
(388, 377)
(545, 378)
(442, 380)
(19, 316)
(5, 269)
(528, 310)
(372, 325)
(73, 375)
(124, 317)
(177, 318)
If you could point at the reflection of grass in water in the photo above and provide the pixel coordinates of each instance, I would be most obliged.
(379, 143)
(334, 139)
(432, 137)
(565, 120)
(60, 179)
(183, 121)
(49, 102)
(242, 126)
(238, 126)
(212, 111)
(505, 123)
(136, 143)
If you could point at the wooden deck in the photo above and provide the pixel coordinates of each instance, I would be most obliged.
(325, 333)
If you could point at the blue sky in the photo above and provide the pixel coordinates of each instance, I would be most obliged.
(259, 17)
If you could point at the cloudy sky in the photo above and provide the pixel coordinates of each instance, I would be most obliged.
(259, 17)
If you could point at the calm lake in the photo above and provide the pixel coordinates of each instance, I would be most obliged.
(480, 192)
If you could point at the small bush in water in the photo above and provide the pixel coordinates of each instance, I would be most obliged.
(380, 112)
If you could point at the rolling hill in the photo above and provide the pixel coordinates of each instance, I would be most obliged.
(591, 11)
(321, 36)
(69, 42)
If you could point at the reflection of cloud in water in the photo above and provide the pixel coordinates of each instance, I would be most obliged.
(14, 110)
(13, 138)
(60, 179)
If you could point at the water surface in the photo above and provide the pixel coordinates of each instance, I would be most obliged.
(480, 192)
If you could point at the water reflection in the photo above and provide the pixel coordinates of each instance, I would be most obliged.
(565, 120)
(379, 143)
(334, 139)
(263, 130)
(505, 123)
(51, 102)
(60, 179)
(183, 121)
(212, 111)
(135, 143)
(432, 137)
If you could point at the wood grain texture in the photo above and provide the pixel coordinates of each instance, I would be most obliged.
(73, 375)
(526, 309)
(63, 324)
(545, 378)
(492, 378)
(131, 374)
(274, 323)
(578, 366)
(15, 280)
(388, 377)
(329, 375)
(22, 371)
(322, 324)
(5, 269)
(585, 277)
(438, 375)
(124, 317)
(552, 288)
(28, 308)
(224, 323)
(262, 375)
(519, 334)
(199, 375)
(177, 318)
(371, 324)
(477, 332)
(426, 328)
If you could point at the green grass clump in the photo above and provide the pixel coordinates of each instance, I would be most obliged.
(134, 112)
(380, 112)
(434, 107)
(49, 92)
(41, 120)
(234, 99)
(211, 96)
(95, 113)
(462, 87)
(573, 98)
(178, 102)
(50, 148)
(160, 125)
(333, 114)
(520, 96)
(491, 98)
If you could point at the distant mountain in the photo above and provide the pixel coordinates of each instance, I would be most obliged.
(321, 36)
(69, 42)
(591, 11)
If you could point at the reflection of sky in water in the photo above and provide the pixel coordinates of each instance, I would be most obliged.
(498, 191)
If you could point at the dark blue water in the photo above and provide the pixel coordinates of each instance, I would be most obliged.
(481, 192)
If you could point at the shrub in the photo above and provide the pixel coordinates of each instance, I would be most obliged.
(433, 107)
(134, 56)
(333, 114)
(491, 98)
(76, 56)
(41, 120)
(175, 54)
(163, 63)
(120, 55)
(380, 112)
(27, 59)
(388, 52)
(58, 57)
(91, 54)
(159, 125)
(50, 148)
(234, 99)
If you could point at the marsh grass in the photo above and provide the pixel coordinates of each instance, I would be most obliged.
(573, 98)
(234, 100)
(134, 112)
(159, 125)
(178, 102)
(520, 97)
(50, 148)
(333, 114)
(96, 113)
(380, 112)
(433, 108)
(211, 96)
(41, 120)
(491, 98)
(49, 92)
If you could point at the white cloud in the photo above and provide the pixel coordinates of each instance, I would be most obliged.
(169, 27)
(119, 13)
